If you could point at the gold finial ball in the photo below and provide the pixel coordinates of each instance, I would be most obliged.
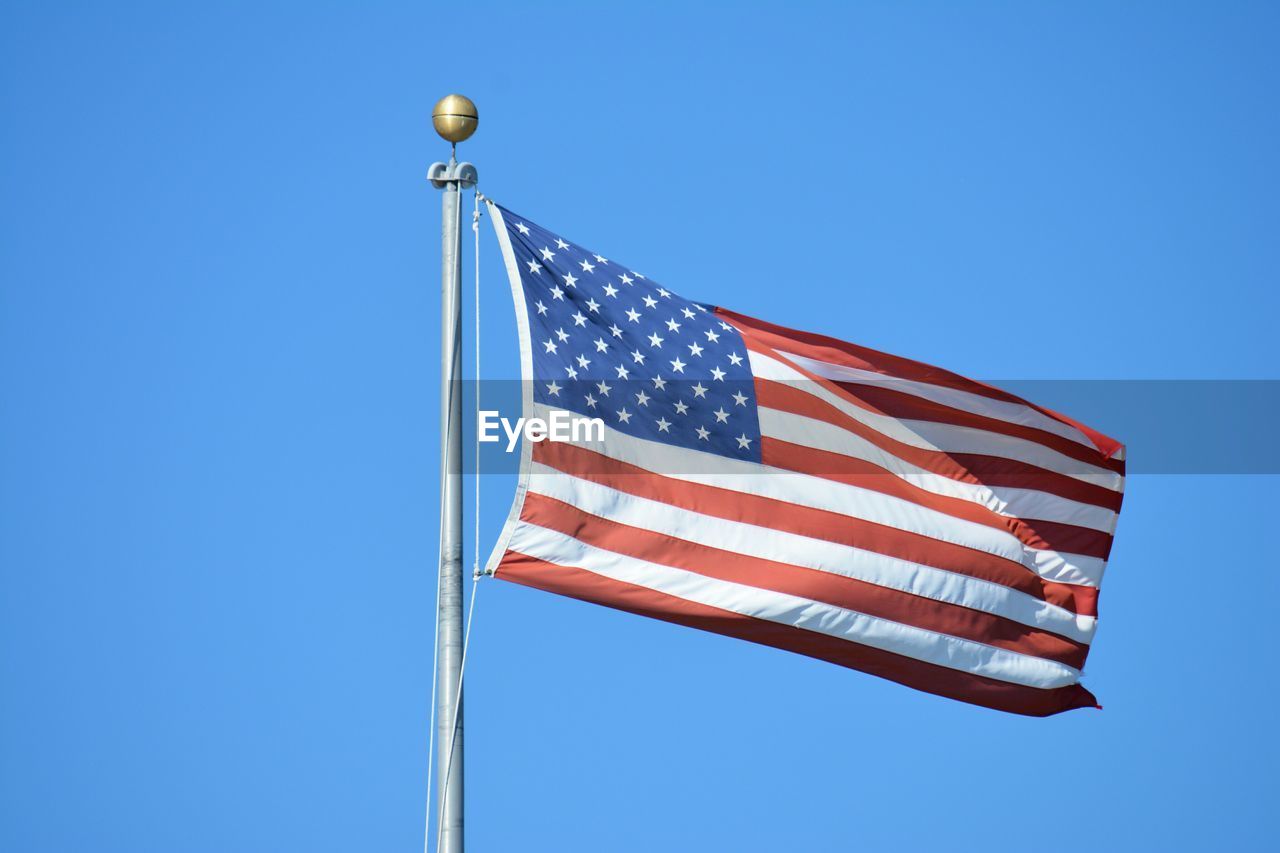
(455, 117)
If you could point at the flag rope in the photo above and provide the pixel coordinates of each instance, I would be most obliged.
(435, 669)
(475, 541)
(453, 727)
(431, 731)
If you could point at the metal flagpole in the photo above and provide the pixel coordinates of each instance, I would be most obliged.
(455, 118)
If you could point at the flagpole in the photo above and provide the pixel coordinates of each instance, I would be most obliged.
(455, 119)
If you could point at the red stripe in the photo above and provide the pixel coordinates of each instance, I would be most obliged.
(809, 584)
(815, 523)
(1010, 473)
(776, 395)
(931, 678)
(834, 351)
(964, 467)
(1034, 533)
(904, 406)
(1090, 461)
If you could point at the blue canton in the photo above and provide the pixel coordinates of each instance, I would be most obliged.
(609, 343)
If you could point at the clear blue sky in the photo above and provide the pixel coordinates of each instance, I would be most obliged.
(218, 356)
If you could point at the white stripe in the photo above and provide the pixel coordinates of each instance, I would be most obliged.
(1008, 502)
(838, 622)
(767, 543)
(966, 401)
(945, 438)
(752, 478)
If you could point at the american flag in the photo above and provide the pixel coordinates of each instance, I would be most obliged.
(802, 492)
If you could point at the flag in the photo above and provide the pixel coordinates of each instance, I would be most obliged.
(801, 492)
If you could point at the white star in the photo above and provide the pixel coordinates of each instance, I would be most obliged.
(659, 383)
(664, 425)
(735, 359)
(579, 319)
(569, 280)
(524, 229)
(663, 293)
(637, 357)
(726, 326)
(633, 315)
(557, 293)
(542, 309)
(673, 325)
(740, 398)
(677, 365)
(703, 434)
(534, 266)
(717, 373)
(562, 335)
(604, 388)
(711, 335)
(694, 349)
(591, 401)
(721, 415)
(550, 345)
(547, 254)
(592, 305)
(600, 260)
(571, 371)
(699, 391)
(655, 341)
(681, 408)
(642, 398)
(625, 279)
(587, 266)
(560, 244)
(583, 361)
(688, 315)
(650, 302)
(553, 389)
(615, 331)
(639, 276)
(610, 290)
(743, 441)
(622, 372)
(623, 415)
(601, 346)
